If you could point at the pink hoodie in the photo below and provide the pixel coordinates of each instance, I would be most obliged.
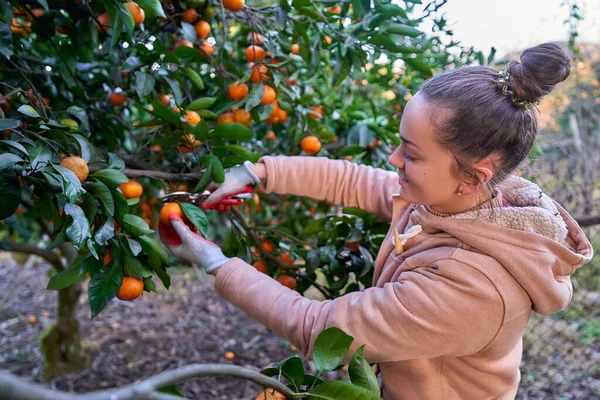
(444, 319)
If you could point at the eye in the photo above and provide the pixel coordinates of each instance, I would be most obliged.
(406, 155)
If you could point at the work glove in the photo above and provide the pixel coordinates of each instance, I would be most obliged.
(238, 179)
(184, 241)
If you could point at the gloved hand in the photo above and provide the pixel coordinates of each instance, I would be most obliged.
(236, 181)
(188, 244)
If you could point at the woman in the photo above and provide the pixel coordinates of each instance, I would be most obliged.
(472, 248)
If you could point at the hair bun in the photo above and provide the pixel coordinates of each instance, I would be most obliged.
(540, 69)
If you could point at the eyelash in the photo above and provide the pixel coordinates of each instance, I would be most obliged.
(409, 158)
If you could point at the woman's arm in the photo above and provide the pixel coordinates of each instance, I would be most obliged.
(337, 181)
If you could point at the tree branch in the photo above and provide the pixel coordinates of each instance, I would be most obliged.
(588, 221)
(15, 388)
(49, 256)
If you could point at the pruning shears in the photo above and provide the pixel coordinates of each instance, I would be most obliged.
(199, 198)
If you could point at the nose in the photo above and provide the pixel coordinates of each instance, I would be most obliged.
(396, 159)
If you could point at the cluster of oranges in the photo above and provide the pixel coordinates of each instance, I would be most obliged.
(285, 257)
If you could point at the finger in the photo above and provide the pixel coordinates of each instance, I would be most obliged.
(168, 235)
(215, 196)
(180, 227)
(231, 202)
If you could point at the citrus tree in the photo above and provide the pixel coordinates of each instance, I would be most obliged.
(107, 105)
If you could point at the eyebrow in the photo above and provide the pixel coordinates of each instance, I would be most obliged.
(409, 142)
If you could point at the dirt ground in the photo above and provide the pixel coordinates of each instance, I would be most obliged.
(190, 323)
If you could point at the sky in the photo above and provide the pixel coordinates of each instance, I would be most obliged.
(510, 25)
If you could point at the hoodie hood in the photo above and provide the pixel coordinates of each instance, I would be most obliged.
(530, 234)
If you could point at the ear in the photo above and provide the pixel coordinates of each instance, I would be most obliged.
(484, 171)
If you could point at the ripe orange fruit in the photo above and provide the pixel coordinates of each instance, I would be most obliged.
(255, 53)
(233, 5)
(225, 117)
(286, 258)
(131, 189)
(237, 91)
(190, 15)
(202, 29)
(243, 117)
(282, 116)
(295, 48)
(374, 143)
(292, 82)
(269, 96)
(327, 39)
(117, 99)
(258, 73)
(18, 11)
(32, 319)
(20, 28)
(192, 118)
(260, 266)
(136, 11)
(190, 144)
(229, 355)
(271, 135)
(256, 38)
(165, 99)
(38, 12)
(168, 209)
(131, 288)
(103, 19)
(63, 30)
(287, 281)
(176, 110)
(270, 394)
(311, 145)
(185, 43)
(77, 165)
(334, 9)
(107, 257)
(317, 112)
(207, 48)
(268, 247)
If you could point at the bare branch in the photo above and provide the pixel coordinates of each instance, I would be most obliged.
(47, 255)
(588, 221)
(15, 388)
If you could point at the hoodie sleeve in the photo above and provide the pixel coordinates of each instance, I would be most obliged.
(448, 308)
(338, 181)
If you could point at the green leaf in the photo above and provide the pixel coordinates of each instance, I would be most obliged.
(399, 29)
(105, 232)
(135, 226)
(163, 276)
(15, 145)
(127, 18)
(355, 211)
(201, 130)
(330, 348)
(171, 389)
(10, 194)
(9, 123)
(233, 131)
(144, 84)
(111, 177)
(65, 278)
(103, 193)
(72, 184)
(351, 150)
(196, 216)
(29, 111)
(158, 248)
(149, 285)
(361, 373)
(149, 250)
(193, 76)
(239, 150)
(418, 65)
(6, 42)
(133, 267)
(104, 286)
(255, 96)
(133, 201)
(121, 206)
(201, 103)
(152, 8)
(217, 168)
(335, 390)
(134, 246)
(207, 114)
(78, 231)
(206, 177)
(114, 162)
(164, 113)
(7, 160)
(81, 115)
(293, 370)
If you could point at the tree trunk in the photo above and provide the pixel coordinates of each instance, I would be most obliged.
(61, 344)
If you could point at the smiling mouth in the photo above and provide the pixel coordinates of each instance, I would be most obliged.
(402, 180)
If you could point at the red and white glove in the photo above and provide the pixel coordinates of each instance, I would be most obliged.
(238, 179)
(189, 245)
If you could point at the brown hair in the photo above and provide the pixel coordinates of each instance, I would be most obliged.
(480, 121)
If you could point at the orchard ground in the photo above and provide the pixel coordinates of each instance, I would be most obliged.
(190, 323)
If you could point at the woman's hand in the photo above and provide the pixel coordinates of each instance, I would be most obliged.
(188, 245)
(237, 179)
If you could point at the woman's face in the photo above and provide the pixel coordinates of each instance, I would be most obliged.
(424, 167)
